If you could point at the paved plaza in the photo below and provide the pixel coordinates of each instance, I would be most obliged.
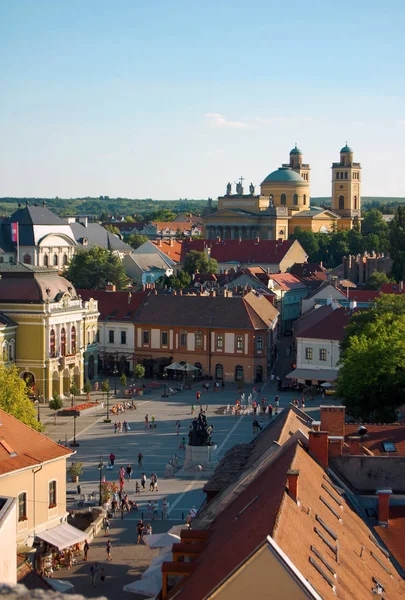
(97, 438)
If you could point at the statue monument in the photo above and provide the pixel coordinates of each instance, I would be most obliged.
(252, 189)
(228, 189)
(200, 450)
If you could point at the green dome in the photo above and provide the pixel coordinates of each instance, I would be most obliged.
(346, 149)
(295, 150)
(285, 174)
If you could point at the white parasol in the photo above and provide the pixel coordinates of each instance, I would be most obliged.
(150, 586)
(160, 540)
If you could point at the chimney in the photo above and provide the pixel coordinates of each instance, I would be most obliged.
(292, 482)
(110, 287)
(159, 242)
(354, 444)
(171, 243)
(384, 505)
(316, 425)
(401, 286)
(335, 445)
(333, 420)
(318, 446)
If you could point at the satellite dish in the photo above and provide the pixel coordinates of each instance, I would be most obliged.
(362, 430)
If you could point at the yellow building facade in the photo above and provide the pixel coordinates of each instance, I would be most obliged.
(55, 344)
(284, 203)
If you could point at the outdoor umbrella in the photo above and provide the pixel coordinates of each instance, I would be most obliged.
(160, 540)
(326, 384)
(176, 529)
(155, 566)
(188, 367)
(175, 367)
(150, 586)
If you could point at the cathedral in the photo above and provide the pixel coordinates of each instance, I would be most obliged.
(284, 203)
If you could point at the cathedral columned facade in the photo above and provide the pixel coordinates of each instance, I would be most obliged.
(284, 203)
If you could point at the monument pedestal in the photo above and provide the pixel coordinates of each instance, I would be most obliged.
(199, 459)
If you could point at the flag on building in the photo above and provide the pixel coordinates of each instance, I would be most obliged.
(14, 232)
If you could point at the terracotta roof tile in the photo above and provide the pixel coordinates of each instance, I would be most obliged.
(329, 325)
(115, 306)
(377, 434)
(393, 536)
(30, 447)
(288, 282)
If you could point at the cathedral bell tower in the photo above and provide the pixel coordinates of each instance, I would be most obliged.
(346, 180)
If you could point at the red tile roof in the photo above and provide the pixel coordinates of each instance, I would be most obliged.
(324, 323)
(393, 536)
(308, 270)
(287, 282)
(30, 447)
(363, 295)
(392, 288)
(229, 251)
(377, 434)
(115, 306)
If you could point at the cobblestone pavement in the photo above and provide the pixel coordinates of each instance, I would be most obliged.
(97, 438)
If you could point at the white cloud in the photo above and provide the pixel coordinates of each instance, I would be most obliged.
(218, 120)
(402, 122)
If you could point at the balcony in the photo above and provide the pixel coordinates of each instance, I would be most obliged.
(69, 359)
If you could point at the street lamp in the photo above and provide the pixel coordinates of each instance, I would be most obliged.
(115, 372)
(74, 444)
(100, 468)
(165, 394)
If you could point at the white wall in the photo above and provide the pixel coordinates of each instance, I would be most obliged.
(8, 546)
(323, 294)
(117, 327)
(332, 353)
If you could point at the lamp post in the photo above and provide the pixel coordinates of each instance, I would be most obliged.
(115, 372)
(165, 394)
(74, 444)
(100, 468)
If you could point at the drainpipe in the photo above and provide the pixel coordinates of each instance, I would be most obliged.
(34, 472)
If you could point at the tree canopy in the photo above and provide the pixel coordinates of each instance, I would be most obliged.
(397, 243)
(135, 240)
(180, 281)
(376, 279)
(198, 261)
(14, 398)
(371, 378)
(95, 268)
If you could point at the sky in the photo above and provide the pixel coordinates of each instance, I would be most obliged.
(170, 99)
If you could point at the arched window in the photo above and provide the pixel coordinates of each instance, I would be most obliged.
(11, 350)
(55, 260)
(11, 259)
(73, 340)
(52, 494)
(341, 202)
(219, 371)
(238, 373)
(5, 352)
(305, 198)
(355, 203)
(283, 199)
(27, 259)
(63, 342)
(65, 260)
(295, 199)
(22, 506)
(46, 260)
(52, 343)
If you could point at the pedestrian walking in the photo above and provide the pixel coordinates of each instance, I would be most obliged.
(198, 396)
(192, 409)
(153, 421)
(277, 401)
(112, 459)
(140, 457)
(270, 410)
(102, 576)
(128, 471)
(177, 427)
(93, 573)
(86, 549)
(165, 506)
(137, 488)
(106, 526)
(146, 420)
(115, 427)
(155, 510)
(183, 444)
(143, 481)
(108, 548)
(140, 528)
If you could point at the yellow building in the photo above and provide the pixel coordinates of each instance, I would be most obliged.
(284, 203)
(55, 343)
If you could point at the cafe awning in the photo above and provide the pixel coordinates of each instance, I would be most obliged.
(62, 536)
(313, 374)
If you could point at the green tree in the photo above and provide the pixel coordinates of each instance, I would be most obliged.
(136, 239)
(355, 241)
(163, 214)
(87, 389)
(376, 279)
(397, 243)
(339, 247)
(14, 398)
(371, 379)
(308, 241)
(74, 391)
(55, 404)
(95, 268)
(180, 281)
(139, 371)
(112, 228)
(123, 380)
(373, 222)
(198, 261)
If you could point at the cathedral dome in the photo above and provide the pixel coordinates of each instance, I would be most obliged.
(295, 150)
(346, 149)
(285, 175)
